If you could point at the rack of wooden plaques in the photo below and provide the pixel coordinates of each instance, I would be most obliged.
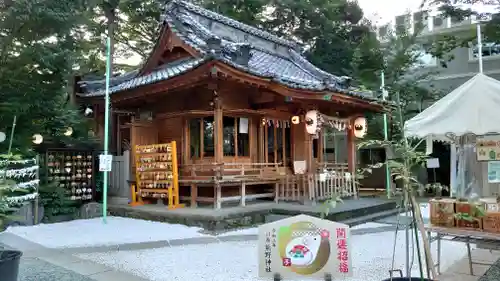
(157, 174)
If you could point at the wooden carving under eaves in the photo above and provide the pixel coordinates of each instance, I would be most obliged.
(169, 47)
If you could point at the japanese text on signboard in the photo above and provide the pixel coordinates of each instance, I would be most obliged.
(267, 251)
(342, 250)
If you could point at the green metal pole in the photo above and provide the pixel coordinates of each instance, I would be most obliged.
(106, 131)
(386, 138)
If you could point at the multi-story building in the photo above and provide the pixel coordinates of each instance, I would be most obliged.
(464, 64)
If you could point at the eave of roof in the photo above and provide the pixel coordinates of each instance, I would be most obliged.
(288, 68)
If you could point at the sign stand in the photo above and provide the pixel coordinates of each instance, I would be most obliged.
(277, 277)
(433, 163)
(302, 247)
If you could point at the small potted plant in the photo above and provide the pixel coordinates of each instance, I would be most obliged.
(469, 214)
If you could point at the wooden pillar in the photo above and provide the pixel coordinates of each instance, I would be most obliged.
(261, 135)
(218, 137)
(309, 157)
(118, 131)
(351, 147)
(321, 146)
(351, 153)
(218, 141)
(186, 142)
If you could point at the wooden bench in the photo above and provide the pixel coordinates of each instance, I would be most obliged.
(233, 174)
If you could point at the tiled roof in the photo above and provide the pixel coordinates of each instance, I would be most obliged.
(161, 73)
(247, 48)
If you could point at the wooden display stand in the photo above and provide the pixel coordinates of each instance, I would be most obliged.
(72, 170)
(491, 219)
(442, 212)
(156, 174)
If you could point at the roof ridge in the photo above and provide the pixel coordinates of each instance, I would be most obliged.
(231, 22)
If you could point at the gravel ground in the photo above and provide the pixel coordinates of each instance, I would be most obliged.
(33, 269)
(371, 258)
(93, 232)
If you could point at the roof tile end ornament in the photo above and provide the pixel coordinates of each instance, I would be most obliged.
(214, 44)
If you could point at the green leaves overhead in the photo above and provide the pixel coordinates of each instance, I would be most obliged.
(37, 52)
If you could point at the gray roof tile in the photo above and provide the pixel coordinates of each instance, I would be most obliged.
(218, 37)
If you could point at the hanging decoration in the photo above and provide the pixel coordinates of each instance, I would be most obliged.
(360, 127)
(20, 173)
(73, 171)
(275, 123)
(315, 121)
(26, 186)
(311, 121)
(37, 139)
(295, 120)
(23, 161)
(22, 198)
(68, 132)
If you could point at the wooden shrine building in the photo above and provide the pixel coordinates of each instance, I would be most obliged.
(234, 98)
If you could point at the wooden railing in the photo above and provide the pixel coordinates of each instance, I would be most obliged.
(231, 172)
(330, 181)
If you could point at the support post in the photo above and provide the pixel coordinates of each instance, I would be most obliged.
(386, 138)
(106, 130)
(351, 155)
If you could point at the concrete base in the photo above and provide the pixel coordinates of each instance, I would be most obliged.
(90, 210)
(256, 213)
(26, 216)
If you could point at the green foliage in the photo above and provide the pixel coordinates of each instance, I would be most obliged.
(7, 188)
(55, 201)
(329, 205)
(477, 211)
(37, 54)
(6, 210)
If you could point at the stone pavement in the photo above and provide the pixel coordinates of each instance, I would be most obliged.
(42, 264)
(460, 270)
(35, 269)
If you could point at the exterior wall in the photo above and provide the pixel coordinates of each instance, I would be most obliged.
(463, 66)
(166, 126)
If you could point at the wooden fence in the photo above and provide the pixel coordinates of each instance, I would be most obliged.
(120, 173)
(330, 182)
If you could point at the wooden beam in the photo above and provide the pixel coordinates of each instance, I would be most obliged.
(296, 93)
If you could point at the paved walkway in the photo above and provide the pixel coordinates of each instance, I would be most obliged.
(42, 264)
(460, 270)
(35, 269)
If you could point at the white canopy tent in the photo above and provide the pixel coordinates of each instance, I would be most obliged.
(471, 109)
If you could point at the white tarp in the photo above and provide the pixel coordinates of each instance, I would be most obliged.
(474, 107)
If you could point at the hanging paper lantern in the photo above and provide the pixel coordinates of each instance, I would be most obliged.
(360, 127)
(37, 139)
(311, 122)
(68, 132)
